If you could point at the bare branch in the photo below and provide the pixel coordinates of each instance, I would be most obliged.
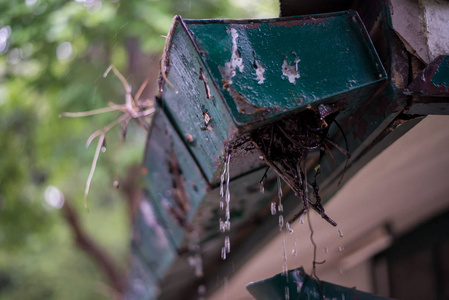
(120, 77)
(164, 58)
(140, 91)
(91, 112)
(92, 169)
(99, 255)
(132, 109)
(146, 112)
(106, 129)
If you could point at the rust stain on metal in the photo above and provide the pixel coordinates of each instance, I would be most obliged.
(244, 106)
(292, 23)
(180, 191)
(426, 85)
(189, 138)
(250, 25)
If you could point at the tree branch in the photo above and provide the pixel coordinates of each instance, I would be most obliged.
(104, 261)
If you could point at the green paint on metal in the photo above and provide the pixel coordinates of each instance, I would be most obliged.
(236, 73)
(441, 76)
(305, 60)
(297, 285)
(143, 283)
(164, 222)
(187, 110)
(151, 242)
(175, 183)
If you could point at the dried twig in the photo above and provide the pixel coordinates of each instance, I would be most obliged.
(133, 109)
(164, 57)
(92, 168)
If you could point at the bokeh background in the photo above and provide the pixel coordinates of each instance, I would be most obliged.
(53, 54)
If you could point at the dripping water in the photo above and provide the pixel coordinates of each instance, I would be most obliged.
(280, 207)
(195, 259)
(295, 243)
(301, 218)
(226, 287)
(223, 253)
(281, 227)
(340, 233)
(227, 244)
(201, 292)
(281, 222)
(284, 258)
(225, 225)
(222, 179)
(228, 194)
(273, 208)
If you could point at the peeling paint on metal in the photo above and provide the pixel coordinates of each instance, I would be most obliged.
(207, 118)
(260, 71)
(229, 70)
(291, 71)
(206, 86)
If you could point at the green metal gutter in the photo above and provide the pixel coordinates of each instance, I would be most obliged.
(224, 80)
(297, 285)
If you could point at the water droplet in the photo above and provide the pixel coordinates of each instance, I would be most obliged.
(273, 208)
(223, 253)
(280, 207)
(294, 253)
(227, 225)
(325, 250)
(191, 261)
(342, 270)
(222, 179)
(198, 266)
(281, 222)
(341, 248)
(287, 293)
(340, 233)
(289, 229)
(103, 149)
(201, 289)
(301, 219)
(221, 205)
(261, 188)
(222, 226)
(279, 188)
(284, 269)
(284, 257)
(227, 244)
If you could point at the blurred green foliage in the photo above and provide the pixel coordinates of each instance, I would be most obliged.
(52, 57)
